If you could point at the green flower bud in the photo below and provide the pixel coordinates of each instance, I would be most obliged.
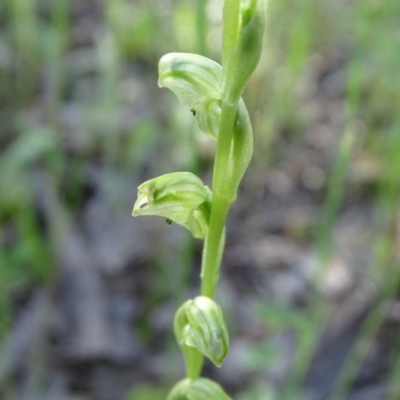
(199, 323)
(180, 391)
(197, 81)
(197, 389)
(246, 55)
(181, 197)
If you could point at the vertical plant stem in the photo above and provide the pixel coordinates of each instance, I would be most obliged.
(195, 364)
(221, 184)
(211, 254)
(230, 28)
(220, 203)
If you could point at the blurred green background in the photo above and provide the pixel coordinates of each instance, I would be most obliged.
(87, 294)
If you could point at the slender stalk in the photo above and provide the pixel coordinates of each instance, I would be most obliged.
(220, 203)
(230, 28)
(211, 261)
(194, 364)
(211, 253)
(221, 185)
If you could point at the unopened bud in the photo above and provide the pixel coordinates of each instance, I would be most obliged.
(197, 389)
(246, 55)
(199, 323)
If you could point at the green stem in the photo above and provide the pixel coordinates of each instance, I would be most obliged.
(230, 28)
(194, 362)
(212, 252)
(214, 240)
(222, 197)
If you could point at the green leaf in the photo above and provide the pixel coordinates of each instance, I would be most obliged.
(181, 197)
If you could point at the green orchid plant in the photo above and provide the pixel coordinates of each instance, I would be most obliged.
(213, 93)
